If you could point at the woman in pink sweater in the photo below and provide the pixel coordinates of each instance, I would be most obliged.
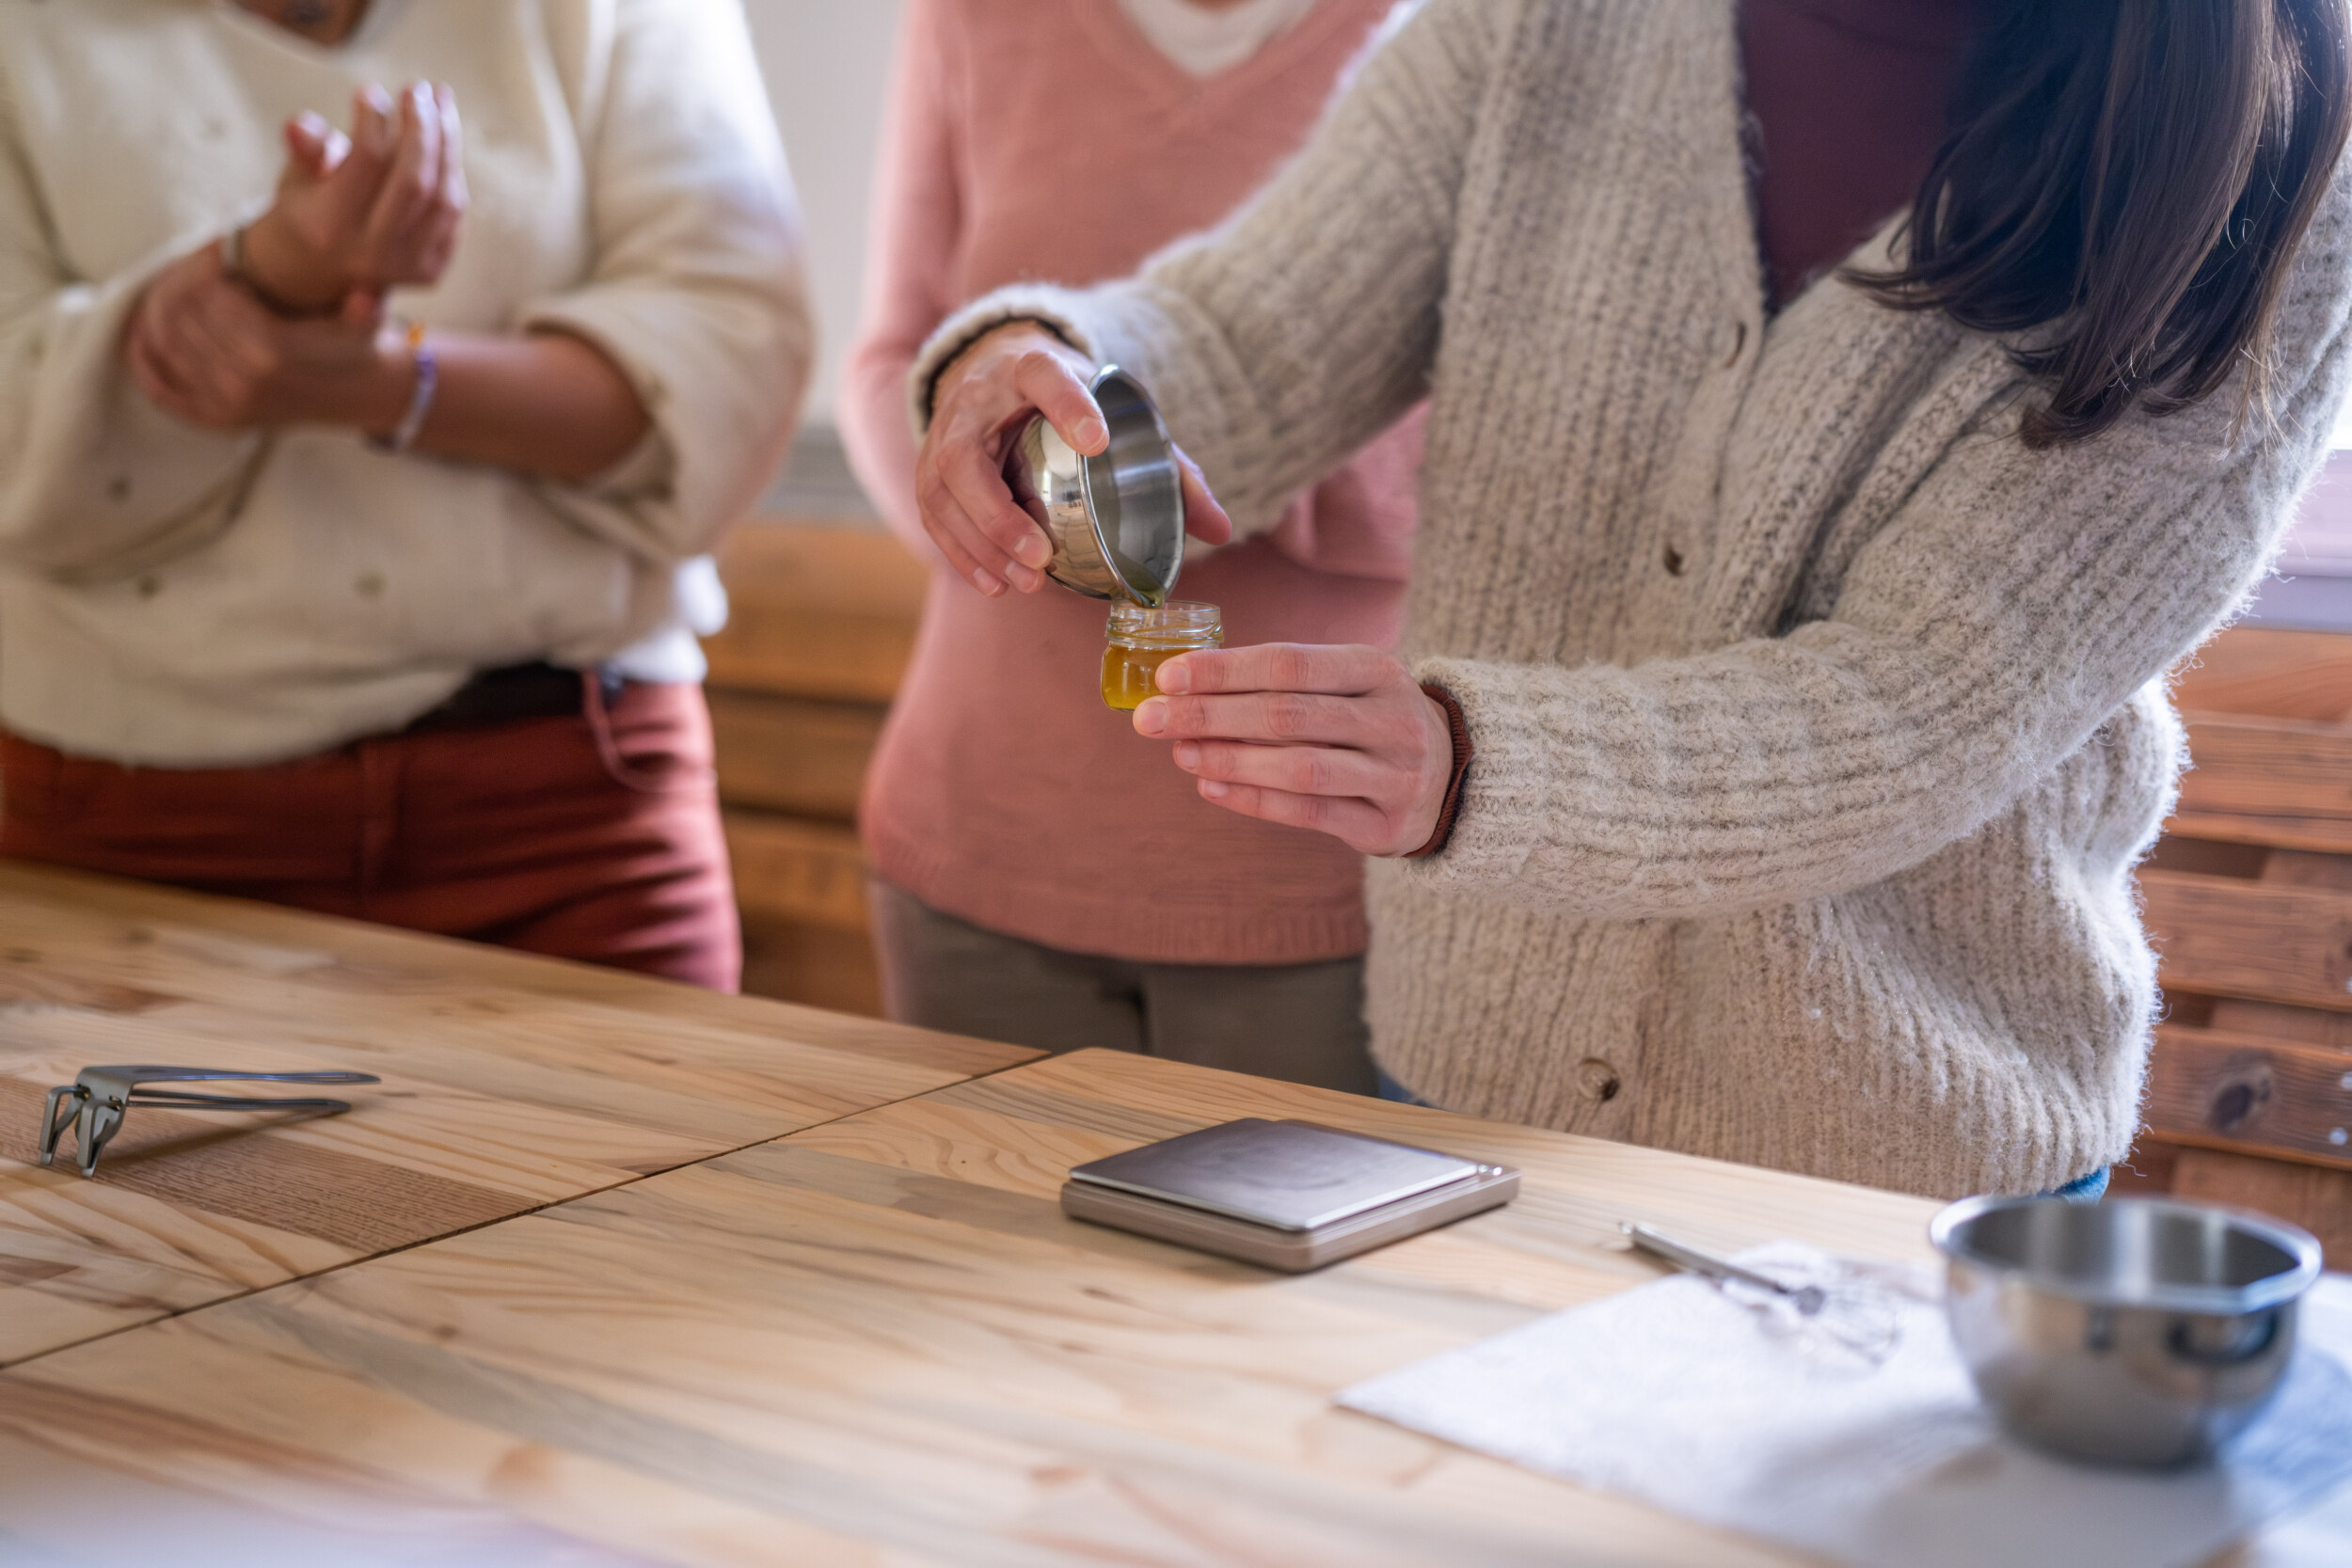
(1042, 875)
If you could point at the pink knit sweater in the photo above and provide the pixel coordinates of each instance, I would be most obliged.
(1046, 139)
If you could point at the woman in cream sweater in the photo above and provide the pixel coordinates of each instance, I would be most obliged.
(1804, 609)
(356, 490)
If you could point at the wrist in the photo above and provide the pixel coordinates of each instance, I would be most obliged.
(414, 378)
(378, 396)
(1014, 335)
(275, 264)
(1447, 710)
(1021, 327)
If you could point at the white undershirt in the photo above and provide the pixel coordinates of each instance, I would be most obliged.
(1203, 42)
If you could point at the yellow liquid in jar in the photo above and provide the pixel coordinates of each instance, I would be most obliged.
(1128, 674)
(1141, 638)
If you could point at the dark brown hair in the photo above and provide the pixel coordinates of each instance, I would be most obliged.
(2126, 182)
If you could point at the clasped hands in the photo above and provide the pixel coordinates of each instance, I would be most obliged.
(299, 334)
(1337, 739)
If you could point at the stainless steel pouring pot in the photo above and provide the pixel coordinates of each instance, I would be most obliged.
(2131, 1332)
(1117, 520)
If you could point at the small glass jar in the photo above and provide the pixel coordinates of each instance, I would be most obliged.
(1140, 639)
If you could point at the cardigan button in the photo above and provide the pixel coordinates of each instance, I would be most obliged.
(1674, 563)
(1597, 1081)
(1738, 343)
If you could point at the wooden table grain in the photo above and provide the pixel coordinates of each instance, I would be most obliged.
(880, 1341)
(509, 1083)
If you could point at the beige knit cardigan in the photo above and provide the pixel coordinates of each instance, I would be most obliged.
(1819, 722)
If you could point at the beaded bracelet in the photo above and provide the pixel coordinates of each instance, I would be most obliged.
(404, 434)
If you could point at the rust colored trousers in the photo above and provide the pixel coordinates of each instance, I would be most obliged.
(593, 836)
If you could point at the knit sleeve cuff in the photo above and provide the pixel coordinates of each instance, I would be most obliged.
(1458, 728)
(1052, 309)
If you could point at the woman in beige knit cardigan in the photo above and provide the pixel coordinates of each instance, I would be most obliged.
(1782, 708)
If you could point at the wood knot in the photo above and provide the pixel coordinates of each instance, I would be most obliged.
(1598, 1081)
(2241, 1095)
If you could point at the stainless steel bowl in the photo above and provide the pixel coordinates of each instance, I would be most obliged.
(1117, 520)
(2130, 1332)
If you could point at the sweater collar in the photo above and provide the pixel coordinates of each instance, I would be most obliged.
(1124, 48)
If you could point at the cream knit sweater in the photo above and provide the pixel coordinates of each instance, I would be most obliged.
(191, 598)
(1819, 722)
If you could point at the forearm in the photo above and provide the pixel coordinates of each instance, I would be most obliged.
(1973, 614)
(875, 433)
(539, 403)
(1980, 640)
(93, 476)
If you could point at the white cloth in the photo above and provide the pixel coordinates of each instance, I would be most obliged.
(1713, 1404)
(1204, 41)
(181, 597)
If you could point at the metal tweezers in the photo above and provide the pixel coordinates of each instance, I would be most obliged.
(95, 1101)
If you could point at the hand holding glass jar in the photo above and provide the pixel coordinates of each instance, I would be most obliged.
(1340, 740)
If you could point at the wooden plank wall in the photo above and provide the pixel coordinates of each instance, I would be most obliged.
(2250, 899)
(822, 626)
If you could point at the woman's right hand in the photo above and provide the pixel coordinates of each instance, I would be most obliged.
(983, 400)
(367, 212)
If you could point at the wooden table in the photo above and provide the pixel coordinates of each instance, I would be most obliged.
(509, 1083)
(878, 1342)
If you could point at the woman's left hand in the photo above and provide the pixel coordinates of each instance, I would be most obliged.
(204, 350)
(370, 211)
(1337, 738)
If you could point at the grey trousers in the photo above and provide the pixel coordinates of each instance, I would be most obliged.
(1302, 1022)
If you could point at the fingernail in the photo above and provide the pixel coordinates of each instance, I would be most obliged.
(1033, 550)
(985, 583)
(1188, 755)
(1151, 716)
(1026, 578)
(1212, 790)
(1091, 433)
(1172, 676)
